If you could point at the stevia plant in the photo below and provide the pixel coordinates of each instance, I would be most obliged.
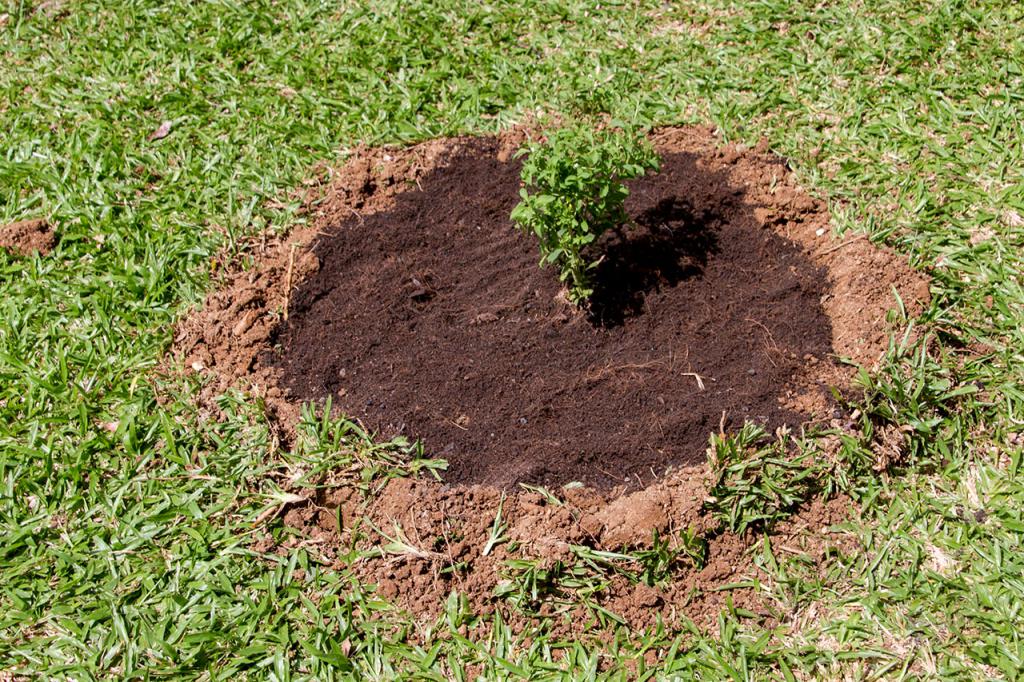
(574, 190)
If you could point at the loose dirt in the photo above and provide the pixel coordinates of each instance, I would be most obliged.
(432, 320)
(444, 533)
(27, 236)
(413, 303)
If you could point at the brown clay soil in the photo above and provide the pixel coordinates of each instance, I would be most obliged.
(413, 303)
(447, 529)
(27, 236)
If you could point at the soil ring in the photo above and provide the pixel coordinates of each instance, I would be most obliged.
(412, 302)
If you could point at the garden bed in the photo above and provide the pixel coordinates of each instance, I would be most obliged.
(431, 320)
(412, 303)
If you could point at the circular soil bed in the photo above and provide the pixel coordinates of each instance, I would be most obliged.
(411, 302)
(420, 311)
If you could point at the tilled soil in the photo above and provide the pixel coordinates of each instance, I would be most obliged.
(432, 320)
(414, 303)
(727, 246)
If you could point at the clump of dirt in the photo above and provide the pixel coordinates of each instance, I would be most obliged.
(413, 303)
(26, 237)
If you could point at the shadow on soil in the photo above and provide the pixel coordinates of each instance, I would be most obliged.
(669, 244)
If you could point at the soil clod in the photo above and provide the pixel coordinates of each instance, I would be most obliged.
(28, 236)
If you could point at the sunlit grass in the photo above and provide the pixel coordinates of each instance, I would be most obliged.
(126, 522)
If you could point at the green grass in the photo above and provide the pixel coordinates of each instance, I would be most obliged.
(126, 522)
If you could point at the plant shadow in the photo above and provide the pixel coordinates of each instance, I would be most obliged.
(668, 244)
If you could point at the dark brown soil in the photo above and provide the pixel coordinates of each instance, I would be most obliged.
(27, 236)
(432, 320)
(240, 322)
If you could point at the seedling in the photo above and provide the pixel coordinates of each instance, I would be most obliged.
(573, 191)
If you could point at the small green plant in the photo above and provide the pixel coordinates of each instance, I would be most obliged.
(657, 562)
(573, 191)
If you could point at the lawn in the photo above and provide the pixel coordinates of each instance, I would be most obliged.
(128, 514)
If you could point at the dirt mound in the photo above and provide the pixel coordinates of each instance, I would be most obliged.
(731, 262)
(417, 307)
(28, 236)
(230, 339)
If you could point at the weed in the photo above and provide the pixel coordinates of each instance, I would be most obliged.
(399, 544)
(753, 481)
(528, 581)
(497, 535)
(658, 562)
(546, 494)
